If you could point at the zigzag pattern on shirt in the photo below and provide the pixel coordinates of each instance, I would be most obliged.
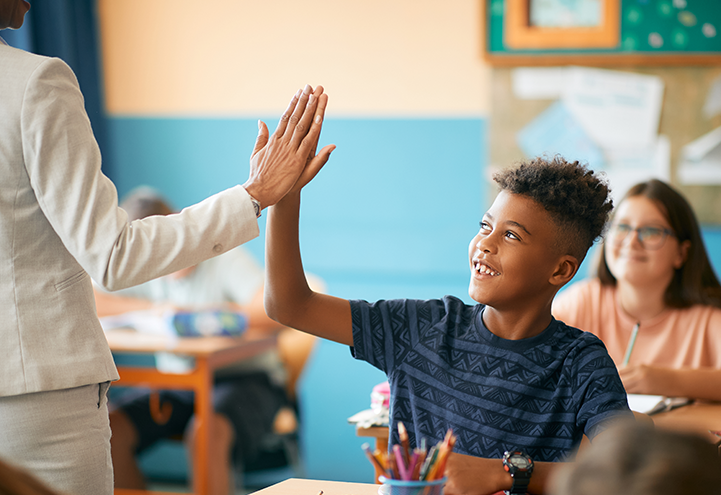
(447, 370)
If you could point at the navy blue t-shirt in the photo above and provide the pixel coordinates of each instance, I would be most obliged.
(447, 370)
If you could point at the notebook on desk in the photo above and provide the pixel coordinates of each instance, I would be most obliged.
(653, 404)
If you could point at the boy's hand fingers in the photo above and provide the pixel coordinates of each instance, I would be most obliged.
(313, 167)
(262, 138)
(292, 121)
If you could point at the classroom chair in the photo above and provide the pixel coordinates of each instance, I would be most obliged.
(282, 448)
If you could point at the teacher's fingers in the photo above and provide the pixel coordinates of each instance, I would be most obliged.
(296, 115)
(285, 118)
(262, 138)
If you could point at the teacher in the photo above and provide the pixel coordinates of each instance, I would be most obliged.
(60, 225)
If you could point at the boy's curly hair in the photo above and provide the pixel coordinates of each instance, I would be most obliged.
(577, 200)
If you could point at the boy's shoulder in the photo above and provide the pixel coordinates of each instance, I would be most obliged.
(575, 336)
(580, 347)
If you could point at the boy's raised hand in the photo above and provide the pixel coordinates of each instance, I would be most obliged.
(278, 161)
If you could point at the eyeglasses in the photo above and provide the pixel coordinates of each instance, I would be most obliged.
(649, 237)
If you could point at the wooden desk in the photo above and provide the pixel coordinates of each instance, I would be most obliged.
(381, 434)
(699, 418)
(296, 486)
(210, 353)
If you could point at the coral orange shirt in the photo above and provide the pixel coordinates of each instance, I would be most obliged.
(677, 338)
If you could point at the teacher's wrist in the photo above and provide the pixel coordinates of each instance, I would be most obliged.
(255, 200)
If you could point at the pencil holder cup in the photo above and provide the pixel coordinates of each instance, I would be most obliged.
(402, 487)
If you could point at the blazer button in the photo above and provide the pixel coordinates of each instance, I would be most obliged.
(218, 248)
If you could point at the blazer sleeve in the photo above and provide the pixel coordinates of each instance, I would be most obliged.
(62, 160)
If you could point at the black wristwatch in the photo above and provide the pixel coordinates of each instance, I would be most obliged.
(520, 467)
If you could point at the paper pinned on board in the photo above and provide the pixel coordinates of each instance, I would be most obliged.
(712, 105)
(617, 109)
(701, 160)
(555, 131)
(538, 83)
(608, 119)
(631, 166)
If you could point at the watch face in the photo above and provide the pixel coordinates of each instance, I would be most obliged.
(519, 461)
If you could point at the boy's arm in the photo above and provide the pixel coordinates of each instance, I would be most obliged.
(468, 475)
(288, 298)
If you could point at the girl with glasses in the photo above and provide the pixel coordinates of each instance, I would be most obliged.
(654, 273)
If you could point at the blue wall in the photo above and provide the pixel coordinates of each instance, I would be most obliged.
(391, 215)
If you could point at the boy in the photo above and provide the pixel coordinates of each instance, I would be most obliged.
(503, 374)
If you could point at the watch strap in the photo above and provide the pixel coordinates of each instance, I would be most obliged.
(520, 476)
(520, 484)
(256, 205)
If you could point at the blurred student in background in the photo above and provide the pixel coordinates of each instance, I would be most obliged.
(636, 459)
(248, 396)
(654, 271)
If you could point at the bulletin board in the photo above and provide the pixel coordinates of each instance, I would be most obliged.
(606, 32)
(682, 120)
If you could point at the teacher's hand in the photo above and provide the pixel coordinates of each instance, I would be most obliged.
(278, 161)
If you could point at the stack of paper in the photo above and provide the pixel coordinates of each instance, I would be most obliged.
(652, 404)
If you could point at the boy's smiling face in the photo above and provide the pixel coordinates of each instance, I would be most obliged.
(514, 260)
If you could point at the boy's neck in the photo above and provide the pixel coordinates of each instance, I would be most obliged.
(516, 325)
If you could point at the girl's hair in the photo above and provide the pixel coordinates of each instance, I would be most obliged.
(694, 282)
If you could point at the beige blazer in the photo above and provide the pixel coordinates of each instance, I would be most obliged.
(60, 225)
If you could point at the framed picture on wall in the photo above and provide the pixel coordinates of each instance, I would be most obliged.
(601, 32)
(564, 24)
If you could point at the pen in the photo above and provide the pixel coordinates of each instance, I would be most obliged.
(631, 343)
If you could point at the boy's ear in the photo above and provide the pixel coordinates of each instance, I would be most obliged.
(565, 270)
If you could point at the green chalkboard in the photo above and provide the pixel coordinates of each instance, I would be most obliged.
(650, 32)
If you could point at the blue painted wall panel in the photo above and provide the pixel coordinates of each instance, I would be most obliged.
(391, 215)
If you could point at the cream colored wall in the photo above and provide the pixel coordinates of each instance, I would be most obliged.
(376, 58)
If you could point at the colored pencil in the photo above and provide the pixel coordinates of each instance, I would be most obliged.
(405, 442)
(415, 465)
(631, 343)
(367, 449)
